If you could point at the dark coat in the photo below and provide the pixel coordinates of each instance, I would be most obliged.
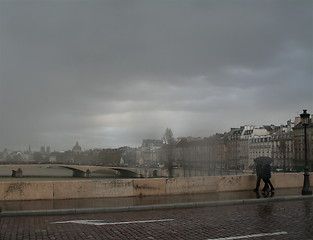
(258, 170)
(266, 172)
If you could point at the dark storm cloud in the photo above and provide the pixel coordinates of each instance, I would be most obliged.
(109, 73)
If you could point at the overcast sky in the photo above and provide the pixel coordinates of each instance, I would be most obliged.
(111, 73)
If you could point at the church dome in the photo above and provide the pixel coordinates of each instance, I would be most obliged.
(77, 148)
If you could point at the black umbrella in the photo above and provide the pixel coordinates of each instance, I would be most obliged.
(263, 160)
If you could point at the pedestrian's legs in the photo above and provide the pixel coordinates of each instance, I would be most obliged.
(266, 186)
(258, 181)
(271, 185)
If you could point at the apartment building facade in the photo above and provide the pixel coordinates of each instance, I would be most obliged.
(299, 146)
(237, 149)
(283, 147)
(149, 153)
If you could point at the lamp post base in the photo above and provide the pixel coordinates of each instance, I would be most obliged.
(306, 190)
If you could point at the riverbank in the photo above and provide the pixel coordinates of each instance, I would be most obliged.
(49, 179)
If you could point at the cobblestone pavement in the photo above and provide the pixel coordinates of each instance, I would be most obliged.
(262, 221)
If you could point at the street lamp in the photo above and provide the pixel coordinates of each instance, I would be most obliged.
(306, 190)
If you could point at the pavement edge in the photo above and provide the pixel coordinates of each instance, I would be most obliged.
(149, 207)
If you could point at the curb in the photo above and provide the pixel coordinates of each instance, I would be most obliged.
(148, 207)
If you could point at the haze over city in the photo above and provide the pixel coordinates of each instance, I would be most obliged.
(111, 73)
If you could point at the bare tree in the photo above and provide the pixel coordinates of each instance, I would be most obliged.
(168, 146)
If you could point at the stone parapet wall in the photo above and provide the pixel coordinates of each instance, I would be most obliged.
(35, 190)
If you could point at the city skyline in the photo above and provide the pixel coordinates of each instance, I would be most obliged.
(111, 73)
(50, 148)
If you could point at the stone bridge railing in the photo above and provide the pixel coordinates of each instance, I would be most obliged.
(35, 190)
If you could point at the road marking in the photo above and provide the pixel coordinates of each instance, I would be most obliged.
(100, 222)
(249, 236)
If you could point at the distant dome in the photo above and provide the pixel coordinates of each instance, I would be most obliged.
(77, 148)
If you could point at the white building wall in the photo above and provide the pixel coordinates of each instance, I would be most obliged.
(259, 146)
(253, 144)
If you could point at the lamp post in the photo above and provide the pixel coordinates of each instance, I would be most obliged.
(306, 190)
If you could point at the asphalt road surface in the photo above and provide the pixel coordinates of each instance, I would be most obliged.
(262, 221)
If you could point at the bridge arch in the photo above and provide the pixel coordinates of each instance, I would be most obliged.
(78, 172)
(81, 171)
(88, 171)
(127, 173)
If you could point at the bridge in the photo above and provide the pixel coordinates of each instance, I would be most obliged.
(85, 171)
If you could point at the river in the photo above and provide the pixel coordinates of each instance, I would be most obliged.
(46, 173)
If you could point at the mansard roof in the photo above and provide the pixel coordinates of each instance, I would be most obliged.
(149, 142)
(299, 125)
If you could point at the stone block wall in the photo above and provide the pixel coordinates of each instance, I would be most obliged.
(35, 190)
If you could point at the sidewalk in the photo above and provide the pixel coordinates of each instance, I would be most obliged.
(74, 206)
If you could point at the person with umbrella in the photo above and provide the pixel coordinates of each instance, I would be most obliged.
(263, 171)
(266, 175)
(258, 170)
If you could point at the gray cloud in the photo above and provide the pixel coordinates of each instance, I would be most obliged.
(109, 73)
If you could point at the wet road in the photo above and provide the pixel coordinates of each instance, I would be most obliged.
(263, 221)
(139, 201)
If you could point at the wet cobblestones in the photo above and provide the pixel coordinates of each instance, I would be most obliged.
(288, 219)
